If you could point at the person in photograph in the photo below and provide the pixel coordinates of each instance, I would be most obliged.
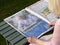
(25, 21)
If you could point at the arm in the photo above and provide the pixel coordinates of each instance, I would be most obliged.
(56, 34)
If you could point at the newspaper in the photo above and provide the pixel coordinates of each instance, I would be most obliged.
(41, 8)
(33, 20)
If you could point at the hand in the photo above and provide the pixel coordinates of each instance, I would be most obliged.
(36, 41)
(32, 39)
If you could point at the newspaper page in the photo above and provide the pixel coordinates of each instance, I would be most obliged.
(41, 8)
(28, 24)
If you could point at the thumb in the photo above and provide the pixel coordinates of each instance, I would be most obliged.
(52, 23)
(29, 39)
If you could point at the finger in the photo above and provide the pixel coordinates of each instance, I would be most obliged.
(32, 39)
(29, 39)
(52, 23)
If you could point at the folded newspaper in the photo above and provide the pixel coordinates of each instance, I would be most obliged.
(33, 20)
